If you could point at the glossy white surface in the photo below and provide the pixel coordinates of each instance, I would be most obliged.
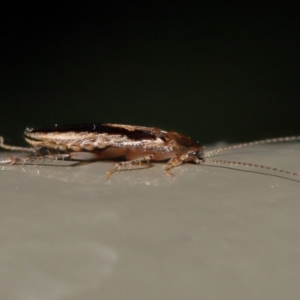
(211, 233)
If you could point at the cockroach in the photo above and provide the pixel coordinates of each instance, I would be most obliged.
(126, 143)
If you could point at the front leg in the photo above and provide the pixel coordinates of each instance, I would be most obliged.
(174, 162)
(178, 160)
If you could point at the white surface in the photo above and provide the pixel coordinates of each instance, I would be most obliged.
(211, 233)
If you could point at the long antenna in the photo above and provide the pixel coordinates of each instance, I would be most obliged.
(244, 145)
(246, 164)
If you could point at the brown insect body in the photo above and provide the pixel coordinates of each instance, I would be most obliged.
(132, 144)
(126, 143)
(109, 141)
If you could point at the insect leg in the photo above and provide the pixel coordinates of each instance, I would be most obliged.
(14, 160)
(9, 161)
(128, 163)
(178, 160)
(174, 162)
(15, 148)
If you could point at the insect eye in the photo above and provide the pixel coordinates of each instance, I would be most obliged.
(193, 153)
(196, 153)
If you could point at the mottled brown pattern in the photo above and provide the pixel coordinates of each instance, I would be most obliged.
(126, 143)
(132, 144)
(161, 143)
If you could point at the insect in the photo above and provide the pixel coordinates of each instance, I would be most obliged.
(126, 143)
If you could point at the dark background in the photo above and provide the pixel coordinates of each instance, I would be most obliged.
(210, 70)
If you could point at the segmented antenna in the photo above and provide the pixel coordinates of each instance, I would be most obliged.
(243, 145)
(251, 165)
